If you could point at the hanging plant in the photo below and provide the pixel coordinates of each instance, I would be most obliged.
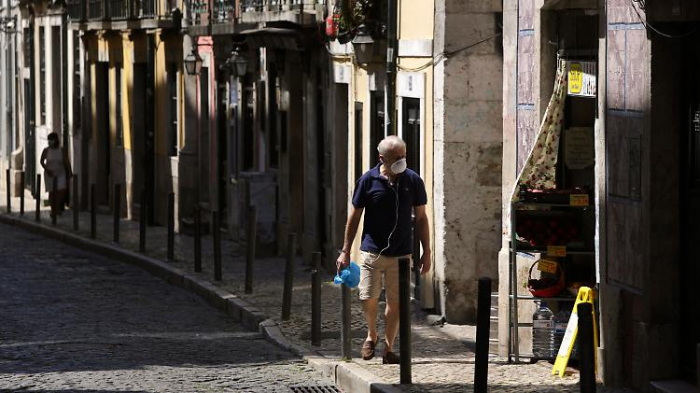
(354, 13)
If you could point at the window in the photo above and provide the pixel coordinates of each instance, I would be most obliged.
(172, 109)
(119, 137)
(76, 82)
(42, 74)
(376, 125)
(358, 140)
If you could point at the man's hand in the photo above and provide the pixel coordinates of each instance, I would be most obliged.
(425, 263)
(343, 261)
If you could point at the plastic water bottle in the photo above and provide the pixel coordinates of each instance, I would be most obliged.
(543, 333)
(561, 322)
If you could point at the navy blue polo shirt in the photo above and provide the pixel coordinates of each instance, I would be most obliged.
(374, 193)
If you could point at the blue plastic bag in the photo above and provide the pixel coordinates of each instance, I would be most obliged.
(349, 276)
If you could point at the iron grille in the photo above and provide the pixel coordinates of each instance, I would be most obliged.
(315, 389)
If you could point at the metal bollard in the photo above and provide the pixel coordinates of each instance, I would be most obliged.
(250, 256)
(316, 300)
(197, 238)
(37, 198)
(586, 348)
(8, 191)
(216, 232)
(93, 212)
(171, 226)
(54, 201)
(76, 204)
(483, 327)
(345, 323)
(142, 221)
(117, 211)
(21, 194)
(289, 277)
(405, 318)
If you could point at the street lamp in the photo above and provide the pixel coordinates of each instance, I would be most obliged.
(363, 44)
(8, 24)
(238, 63)
(193, 63)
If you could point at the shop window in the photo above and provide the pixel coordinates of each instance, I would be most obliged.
(358, 140)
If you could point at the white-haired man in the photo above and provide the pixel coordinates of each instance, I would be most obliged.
(387, 193)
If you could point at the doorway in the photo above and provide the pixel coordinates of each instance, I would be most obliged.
(410, 126)
(690, 235)
(138, 133)
(102, 134)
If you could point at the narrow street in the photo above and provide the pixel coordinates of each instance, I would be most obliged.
(72, 321)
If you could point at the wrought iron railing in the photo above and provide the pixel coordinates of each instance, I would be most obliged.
(278, 5)
(97, 9)
(76, 10)
(119, 9)
(224, 11)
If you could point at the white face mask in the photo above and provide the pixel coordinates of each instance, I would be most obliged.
(399, 166)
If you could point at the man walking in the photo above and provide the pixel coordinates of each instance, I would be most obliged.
(388, 193)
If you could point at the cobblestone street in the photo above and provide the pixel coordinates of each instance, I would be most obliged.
(75, 322)
(443, 357)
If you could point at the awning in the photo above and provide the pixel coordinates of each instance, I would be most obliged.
(274, 38)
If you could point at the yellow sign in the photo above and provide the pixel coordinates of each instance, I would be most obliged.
(582, 78)
(585, 295)
(556, 251)
(579, 200)
(575, 78)
(547, 266)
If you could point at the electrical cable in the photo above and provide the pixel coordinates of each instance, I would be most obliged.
(447, 54)
(648, 26)
(396, 223)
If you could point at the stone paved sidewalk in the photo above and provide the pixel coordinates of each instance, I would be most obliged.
(443, 360)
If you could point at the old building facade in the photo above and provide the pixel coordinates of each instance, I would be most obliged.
(448, 109)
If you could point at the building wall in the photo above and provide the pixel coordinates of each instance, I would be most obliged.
(468, 152)
(637, 228)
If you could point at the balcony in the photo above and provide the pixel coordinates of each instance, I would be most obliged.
(211, 17)
(302, 12)
(119, 9)
(97, 10)
(76, 10)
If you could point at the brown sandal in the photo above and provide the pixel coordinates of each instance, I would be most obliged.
(367, 349)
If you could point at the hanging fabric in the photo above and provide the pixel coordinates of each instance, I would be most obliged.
(539, 172)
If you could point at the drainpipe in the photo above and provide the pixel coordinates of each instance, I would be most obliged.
(391, 55)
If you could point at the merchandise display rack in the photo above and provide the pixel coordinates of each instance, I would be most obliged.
(516, 248)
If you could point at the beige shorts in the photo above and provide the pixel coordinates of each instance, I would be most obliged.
(372, 270)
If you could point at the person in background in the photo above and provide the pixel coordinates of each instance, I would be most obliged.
(388, 194)
(57, 170)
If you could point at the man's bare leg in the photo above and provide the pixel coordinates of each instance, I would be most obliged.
(391, 316)
(371, 306)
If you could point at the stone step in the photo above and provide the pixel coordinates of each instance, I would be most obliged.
(673, 386)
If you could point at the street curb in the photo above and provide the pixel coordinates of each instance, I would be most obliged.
(348, 376)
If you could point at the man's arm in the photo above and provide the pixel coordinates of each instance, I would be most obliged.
(350, 232)
(424, 236)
